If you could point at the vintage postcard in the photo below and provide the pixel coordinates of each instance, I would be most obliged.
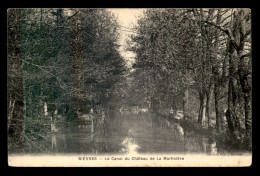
(125, 87)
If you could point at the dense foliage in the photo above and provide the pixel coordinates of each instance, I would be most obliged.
(70, 64)
(197, 61)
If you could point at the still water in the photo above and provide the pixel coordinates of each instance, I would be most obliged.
(126, 132)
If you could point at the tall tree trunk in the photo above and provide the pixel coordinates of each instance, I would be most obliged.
(236, 65)
(244, 72)
(231, 114)
(78, 64)
(217, 108)
(185, 101)
(202, 110)
(246, 90)
(15, 82)
(248, 114)
(216, 75)
(208, 102)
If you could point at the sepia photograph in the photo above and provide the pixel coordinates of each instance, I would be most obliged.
(127, 87)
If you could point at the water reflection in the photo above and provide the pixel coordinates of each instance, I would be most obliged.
(195, 143)
(129, 146)
(132, 133)
(212, 147)
(53, 142)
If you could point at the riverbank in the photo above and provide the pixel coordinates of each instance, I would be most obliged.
(224, 140)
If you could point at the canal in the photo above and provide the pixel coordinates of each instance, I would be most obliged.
(131, 132)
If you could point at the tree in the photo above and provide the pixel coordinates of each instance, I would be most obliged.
(68, 63)
(15, 95)
(203, 50)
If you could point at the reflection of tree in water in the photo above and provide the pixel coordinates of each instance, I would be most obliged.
(58, 143)
(200, 144)
(212, 147)
(129, 146)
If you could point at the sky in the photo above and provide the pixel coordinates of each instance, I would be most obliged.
(127, 18)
